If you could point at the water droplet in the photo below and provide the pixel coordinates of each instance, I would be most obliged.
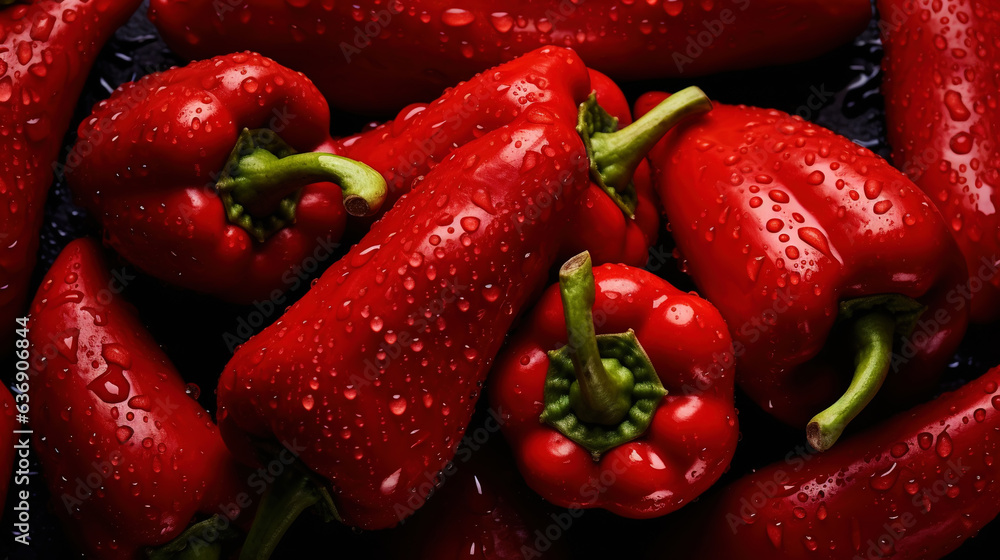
(961, 143)
(457, 17)
(956, 107)
(308, 402)
(502, 21)
(944, 445)
(885, 480)
(398, 405)
(123, 433)
(470, 223)
(882, 206)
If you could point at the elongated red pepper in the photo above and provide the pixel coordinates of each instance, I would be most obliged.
(406, 51)
(376, 369)
(808, 243)
(130, 459)
(915, 487)
(7, 439)
(943, 120)
(422, 135)
(639, 419)
(46, 50)
(211, 176)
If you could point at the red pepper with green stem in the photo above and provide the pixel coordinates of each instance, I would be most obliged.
(811, 247)
(374, 373)
(215, 176)
(422, 135)
(648, 403)
(916, 486)
(411, 50)
(130, 458)
(940, 89)
(46, 50)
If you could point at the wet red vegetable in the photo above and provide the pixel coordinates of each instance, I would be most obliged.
(216, 176)
(914, 487)
(634, 413)
(941, 109)
(374, 373)
(823, 260)
(129, 457)
(380, 55)
(46, 50)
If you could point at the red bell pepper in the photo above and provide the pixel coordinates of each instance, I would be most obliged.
(422, 135)
(485, 511)
(942, 117)
(7, 439)
(806, 242)
(377, 368)
(639, 419)
(46, 50)
(130, 459)
(914, 487)
(406, 51)
(212, 176)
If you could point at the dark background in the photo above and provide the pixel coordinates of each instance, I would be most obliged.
(839, 91)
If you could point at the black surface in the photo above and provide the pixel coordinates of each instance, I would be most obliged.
(839, 91)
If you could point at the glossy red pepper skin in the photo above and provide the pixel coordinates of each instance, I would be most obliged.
(149, 157)
(405, 149)
(778, 220)
(694, 430)
(46, 50)
(110, 405)
(916, 486)
(8, 439)
(943, 120)
(410, 51)
(406, 325)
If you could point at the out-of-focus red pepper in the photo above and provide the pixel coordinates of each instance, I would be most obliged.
(402, 51)
(46, 50)
(806, 243)
(373, 374)
(422, 135)
(581, 412)
(485, 511)
(209, 176)
(914, 487)
(943, 120)
(7, 439)
(130, 458)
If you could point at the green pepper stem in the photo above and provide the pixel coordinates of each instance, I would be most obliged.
(617, 154)
(602, 399)
(292, 492)
(873, 333)
(261, 180)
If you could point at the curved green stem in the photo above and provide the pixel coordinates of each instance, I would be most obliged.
(261, 180)
(873, 333)
(260, 183)
(602, 399)
(615, 154)
(292, 492)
